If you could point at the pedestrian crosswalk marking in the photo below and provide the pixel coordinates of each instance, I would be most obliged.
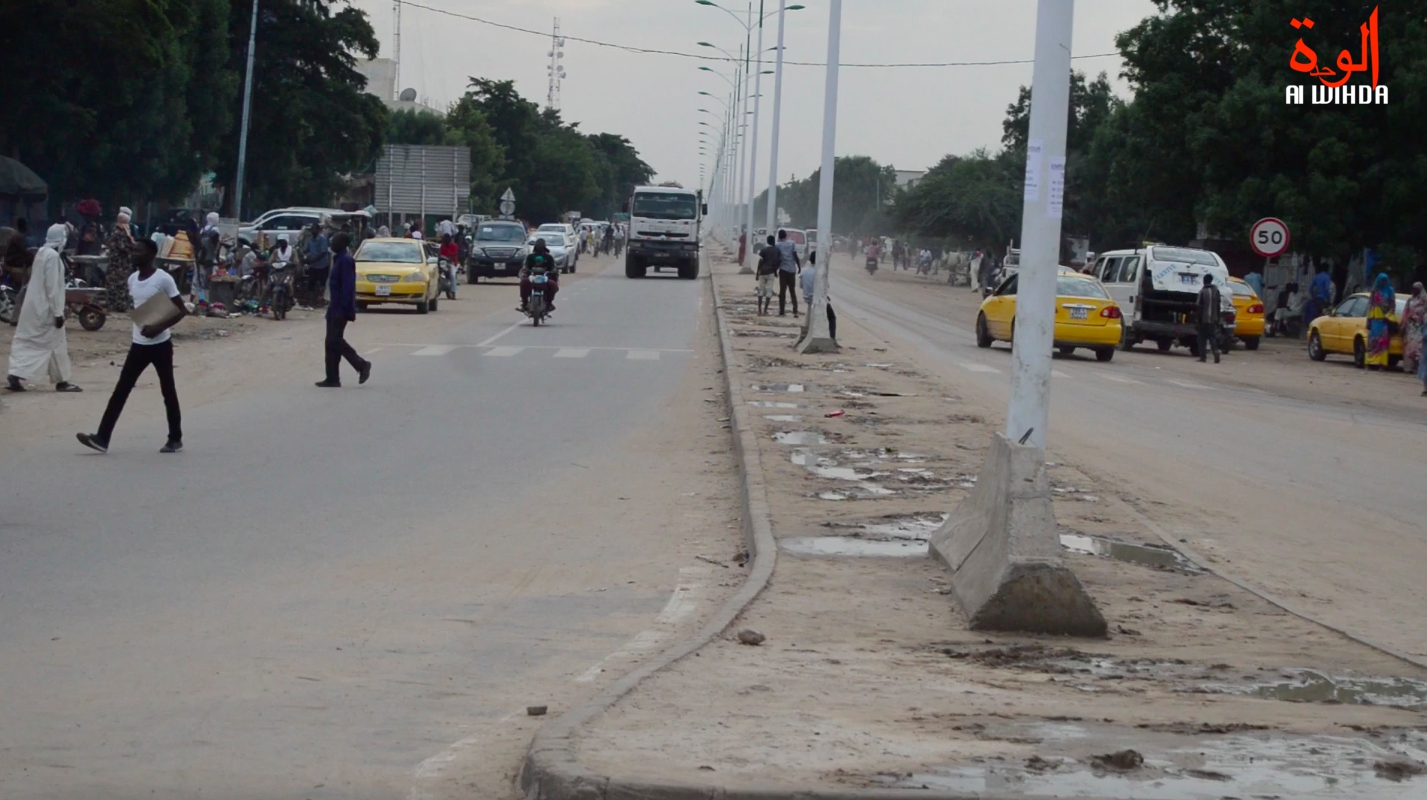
(1187, 384)
(435, 350)
(504, 352)
(572, 352)
(978, 368)
(643, 355)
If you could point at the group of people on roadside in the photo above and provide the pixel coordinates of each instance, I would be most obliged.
(780, 262)
(1384, 323)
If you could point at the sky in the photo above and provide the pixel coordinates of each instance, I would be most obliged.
(908, 118)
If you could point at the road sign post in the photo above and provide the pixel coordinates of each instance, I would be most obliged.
(507, 203)
(1269, 237)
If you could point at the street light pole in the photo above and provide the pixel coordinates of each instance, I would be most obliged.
(1044, 191)
(247, 108)
(747, 266)
(777, 122)
(819, 337)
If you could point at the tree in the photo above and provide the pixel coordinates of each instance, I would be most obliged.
(311, 122)
(863, 190)
(468, 126)
(622, 169)
(975, 197)
(409, 126)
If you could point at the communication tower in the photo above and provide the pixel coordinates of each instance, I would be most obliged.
(556, 68)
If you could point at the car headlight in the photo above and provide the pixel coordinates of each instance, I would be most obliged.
(415, 277)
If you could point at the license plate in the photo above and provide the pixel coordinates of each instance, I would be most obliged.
(383, 291)
(1079, 313)
(1188, 279)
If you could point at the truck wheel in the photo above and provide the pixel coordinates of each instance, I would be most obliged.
(689, 270)
(1164, 344)
(633, 268)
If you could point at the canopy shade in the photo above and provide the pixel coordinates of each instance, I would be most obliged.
(19, 180)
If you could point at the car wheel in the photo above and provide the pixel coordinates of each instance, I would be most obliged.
(983, 335)
(1104, 354)
(1360, 353)
(1066, 351)
(423, 307)
(1164, 344)
(1251, 342)
(435, 303)
(1315, 347)
(1127, 339)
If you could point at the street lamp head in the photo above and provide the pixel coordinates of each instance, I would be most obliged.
(707, 44)
(790, 8)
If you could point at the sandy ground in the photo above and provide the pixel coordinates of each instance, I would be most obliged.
(870, 678)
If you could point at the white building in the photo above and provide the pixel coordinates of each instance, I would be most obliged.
(907, 178)
(381, 82)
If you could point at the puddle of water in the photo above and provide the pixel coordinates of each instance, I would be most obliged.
(772, 404)
(832, 496)
(1308, 686)
(799, 437)
(793, 388)
(849, 546)
(783, 417)
(1147, 555)
(879, 491)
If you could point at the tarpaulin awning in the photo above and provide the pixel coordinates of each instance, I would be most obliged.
(19, 180)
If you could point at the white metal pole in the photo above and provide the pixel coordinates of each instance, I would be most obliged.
(819, 339)
(1040, 227)
(753, 159)
(777, 123)
(247, 108)
(743, 149)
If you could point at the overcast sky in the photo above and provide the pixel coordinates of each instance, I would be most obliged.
(909, 118)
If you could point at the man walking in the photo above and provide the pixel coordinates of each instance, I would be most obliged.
(40, 344)
(768, 259)
(317, 261)
(152, 344)
(341, 310)
(789, 265)
(1209, 319)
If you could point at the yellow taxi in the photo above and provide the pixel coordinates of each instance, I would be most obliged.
(1344, 330)
(396, 271)
(1249, 313)
(1085, 316)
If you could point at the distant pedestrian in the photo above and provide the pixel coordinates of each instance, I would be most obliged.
(341, 310)
(152, 344)
(1209, 311)
(120, 245)
(742, 246)
(40, 344)
(317, 261)
(768, 260)
(789, 265)
(1255, 281)
(383, 232)
(1414, 320)
(1382, 321)
(809, 281)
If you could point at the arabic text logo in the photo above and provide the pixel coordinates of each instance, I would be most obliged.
(1332, 87)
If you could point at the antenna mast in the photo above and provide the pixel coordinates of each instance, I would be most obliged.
(396, 47)
(556, 69)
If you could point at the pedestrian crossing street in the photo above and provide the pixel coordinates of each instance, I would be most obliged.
(540, 351)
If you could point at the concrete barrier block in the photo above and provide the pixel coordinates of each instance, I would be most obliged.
(1003, 549)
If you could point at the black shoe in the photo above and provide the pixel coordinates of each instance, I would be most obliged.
(1216, 359)
(329, 384)
(14, 385)
(364, 373)
(91, 440)
(66, 386)
(172, 446)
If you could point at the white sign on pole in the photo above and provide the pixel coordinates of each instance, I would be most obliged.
(509, 196)
(1269, 237)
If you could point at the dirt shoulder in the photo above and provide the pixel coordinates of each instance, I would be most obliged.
(870, 678)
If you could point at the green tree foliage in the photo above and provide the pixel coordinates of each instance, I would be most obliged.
(974, 198)
(311, 124)
(116, 99)
(467, 125)
(408, 126)
(864, 189)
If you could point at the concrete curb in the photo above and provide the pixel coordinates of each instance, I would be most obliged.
(551, 771)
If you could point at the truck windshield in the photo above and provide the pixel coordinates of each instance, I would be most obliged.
(1184, 255)
(664, 205)
(501, 233)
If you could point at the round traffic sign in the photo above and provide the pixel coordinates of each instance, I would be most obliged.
(507, 207)
(1269, 237)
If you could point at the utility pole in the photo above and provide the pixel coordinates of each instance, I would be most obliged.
(777, 122)
(1040, 226)
(396, 46)
(556, 68)
(819, 338)
(247, 109)
(749, 259)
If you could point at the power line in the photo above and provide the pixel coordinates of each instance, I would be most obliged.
(702, 57)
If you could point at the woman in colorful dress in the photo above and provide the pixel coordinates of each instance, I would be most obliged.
(1414, 318)
(120, 245)
(1382, 318)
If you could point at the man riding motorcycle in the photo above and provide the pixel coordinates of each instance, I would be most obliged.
(539, 258)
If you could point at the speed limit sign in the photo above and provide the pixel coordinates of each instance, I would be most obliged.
(1269, 237)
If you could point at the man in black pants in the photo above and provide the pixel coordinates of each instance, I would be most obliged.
(341, 310)
(1209, 319)
(789, 265)
(152, 345)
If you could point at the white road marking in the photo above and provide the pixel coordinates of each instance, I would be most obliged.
(1188, 384)
(572, 352)
(1058, 374)
(504, 352)
(1118, 379)
(643, 355)
(970, 367)
(500, 335)
(682, 603)
(435, 350)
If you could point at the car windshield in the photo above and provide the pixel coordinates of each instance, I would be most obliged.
(1242, 289)
(1185, 256)
(556, 228)
(552, 242)
(501, 233)
(1076, 286)
(390, 252)
(665, 205)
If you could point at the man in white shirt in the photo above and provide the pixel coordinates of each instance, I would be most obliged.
(152, 344)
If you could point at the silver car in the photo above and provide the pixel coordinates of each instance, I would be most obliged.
(559, 247)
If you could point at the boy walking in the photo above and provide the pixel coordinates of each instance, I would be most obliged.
(768, 259)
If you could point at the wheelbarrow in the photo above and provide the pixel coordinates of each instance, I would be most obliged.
(83, 304)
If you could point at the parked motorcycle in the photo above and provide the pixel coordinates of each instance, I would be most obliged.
(538, 309)
(9, 305)
(82, 303)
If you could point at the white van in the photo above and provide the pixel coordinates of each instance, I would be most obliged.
(1157, 290)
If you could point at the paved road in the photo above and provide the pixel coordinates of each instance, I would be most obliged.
(1315, 498)
(328, 587)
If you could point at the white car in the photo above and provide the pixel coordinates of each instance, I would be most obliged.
(561, 249)
(572, 241)
(291, 222)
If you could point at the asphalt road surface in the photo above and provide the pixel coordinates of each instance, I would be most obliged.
(329, 591)
(1304, 479)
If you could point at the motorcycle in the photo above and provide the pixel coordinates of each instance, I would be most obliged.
(538, 309)
(872, 266)
(447, 271)
(280, 290)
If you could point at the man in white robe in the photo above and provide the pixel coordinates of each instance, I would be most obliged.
(40, 344)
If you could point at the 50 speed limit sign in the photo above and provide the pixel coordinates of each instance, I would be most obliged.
(1269, 237)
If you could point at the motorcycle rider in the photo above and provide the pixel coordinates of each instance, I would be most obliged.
(451, 253)
(539, 258)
